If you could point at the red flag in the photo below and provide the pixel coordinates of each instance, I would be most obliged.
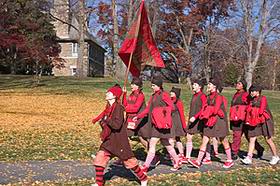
(140, 43)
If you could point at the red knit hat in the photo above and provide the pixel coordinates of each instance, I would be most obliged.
(116, 90)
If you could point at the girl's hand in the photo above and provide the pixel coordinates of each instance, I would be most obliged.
(124, 89)
(192, 119)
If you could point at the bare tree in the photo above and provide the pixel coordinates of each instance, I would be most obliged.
(259, 22)
(81, 72)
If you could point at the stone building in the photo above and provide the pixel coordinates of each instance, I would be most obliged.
(68, 37)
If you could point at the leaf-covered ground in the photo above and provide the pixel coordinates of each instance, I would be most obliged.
(52, 121)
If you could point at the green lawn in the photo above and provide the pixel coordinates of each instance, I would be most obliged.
(52, 121)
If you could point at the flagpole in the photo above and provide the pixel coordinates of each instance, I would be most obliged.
(131, 54)
(127, 70)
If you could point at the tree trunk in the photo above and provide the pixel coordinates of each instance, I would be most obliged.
(156, 18)
(38, 73)
(81, 72)
(206, 59)
(13, 59)
(249, 75)
(13, 67)
(253, 55)
(274, 75)
(130, 11)
(120, 67)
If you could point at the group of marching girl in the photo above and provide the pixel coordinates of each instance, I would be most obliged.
(162, 119)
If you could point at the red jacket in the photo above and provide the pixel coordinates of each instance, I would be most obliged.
(213, 109)
(257, 111)
(238, 106)
(165, 98)
(137, 97)
(159, 109)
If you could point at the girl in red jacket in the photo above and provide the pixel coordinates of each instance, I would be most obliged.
(215, 119)
(114, 138)
(159, 116)
(178, 120)
(195, 125)
(134, 105)
(259, 122)
(238, 107)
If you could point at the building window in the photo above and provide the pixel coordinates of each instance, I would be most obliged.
(75, 49)
(73, 70)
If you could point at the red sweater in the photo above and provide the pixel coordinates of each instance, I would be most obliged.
(137, 96)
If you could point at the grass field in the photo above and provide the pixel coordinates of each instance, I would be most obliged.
(53, 121)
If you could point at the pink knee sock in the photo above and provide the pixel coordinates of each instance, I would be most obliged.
(208, 150)
(200, 156)
(207, 156)
(189, 147)
(149, 159)
(180, 147)
(228, 153)
(172, 153)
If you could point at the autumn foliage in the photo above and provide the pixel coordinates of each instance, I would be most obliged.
(27, 37)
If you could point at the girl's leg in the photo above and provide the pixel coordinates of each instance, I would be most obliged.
(132, 164)
(189, 146)
(248, 159)
(179, 145)
(227, 148)
(172, 142)
(202, 149)
(275, 158)
(152, 151)
(170, 148)
(100, 162)
(215, 146)
(229, 163)
(252, 142)
(196, 163)
(207, 159)
(172, 152)
(272, 146)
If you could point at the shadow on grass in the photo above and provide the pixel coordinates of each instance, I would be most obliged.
(122, 172)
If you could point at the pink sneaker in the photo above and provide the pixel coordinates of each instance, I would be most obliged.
(183, 159)
(177, 166)
(206, 161)
(195, 163)
(228, 164)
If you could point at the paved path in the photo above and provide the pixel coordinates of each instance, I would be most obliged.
(62, 171)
